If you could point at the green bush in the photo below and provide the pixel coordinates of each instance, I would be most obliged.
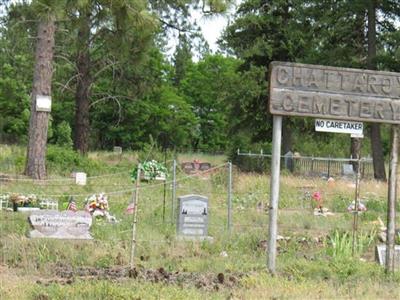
(63, 135)
(64, 161)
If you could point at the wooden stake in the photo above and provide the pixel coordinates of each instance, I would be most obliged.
(392, 193)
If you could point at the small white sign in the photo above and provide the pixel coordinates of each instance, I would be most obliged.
(355, 128)
(80, 178)
(357, 135)
(43, 103)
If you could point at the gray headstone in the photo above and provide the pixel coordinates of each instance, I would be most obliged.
(188, 167)
(117, 150)
(347, 170)
(193, 216)
(204, 166)
(288, 159)
(60, 225)
(380, 255)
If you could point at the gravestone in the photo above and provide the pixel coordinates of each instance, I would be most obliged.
(80, 178)
(347, 170)
(193, 216)
(60, 225)
(117, 150)
(188, 167)
(288, 159)
(380, 255)
(204, 166)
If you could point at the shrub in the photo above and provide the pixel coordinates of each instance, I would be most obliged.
(63, 135)
(64, 161)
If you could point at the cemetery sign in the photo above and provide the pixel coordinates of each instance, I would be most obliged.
(339, 126)
(335, 93)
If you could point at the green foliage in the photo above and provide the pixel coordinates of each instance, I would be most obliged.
(63, 135)
(64, 161)
(340, 244)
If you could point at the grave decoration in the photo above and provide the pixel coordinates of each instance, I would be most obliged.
(352, 207)
(150, 170)
(195, 166)
(4, 201)
(320, 210)
(97, 206)
(30, 202)
(19, 200)
(60, 225)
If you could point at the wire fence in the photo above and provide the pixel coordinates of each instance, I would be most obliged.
(237, 206)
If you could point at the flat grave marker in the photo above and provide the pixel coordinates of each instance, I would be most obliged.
(60, 225)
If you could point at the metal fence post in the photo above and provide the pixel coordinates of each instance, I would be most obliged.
(229, 196)
(173, 192)
(136, 200)
(274, 196)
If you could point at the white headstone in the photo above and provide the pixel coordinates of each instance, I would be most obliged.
(80, 178)
(380, 255)
(117, 150)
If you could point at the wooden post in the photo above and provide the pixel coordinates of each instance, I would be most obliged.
(392, 193)
(133, 246)
(274, 195)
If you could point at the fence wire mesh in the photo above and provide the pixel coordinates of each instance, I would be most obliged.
(245, 241)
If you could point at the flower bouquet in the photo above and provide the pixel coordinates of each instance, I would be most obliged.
(19, 200)
(150, 170)
(97, 206)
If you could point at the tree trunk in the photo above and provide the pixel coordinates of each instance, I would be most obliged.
(38, 123)
(375, 132)
(82, 95)
(286, 136)
(355, 150)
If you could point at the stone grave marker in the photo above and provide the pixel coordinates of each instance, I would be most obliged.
(288, 160)
(60, 225)
(117, 150)
(188, 167)
(80, 178)
(204, 166)
(347, 170)
(193, 216)
(380, 255)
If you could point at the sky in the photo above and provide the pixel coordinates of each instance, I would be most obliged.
(212, 28)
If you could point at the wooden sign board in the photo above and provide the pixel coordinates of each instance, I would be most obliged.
(334, 93)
